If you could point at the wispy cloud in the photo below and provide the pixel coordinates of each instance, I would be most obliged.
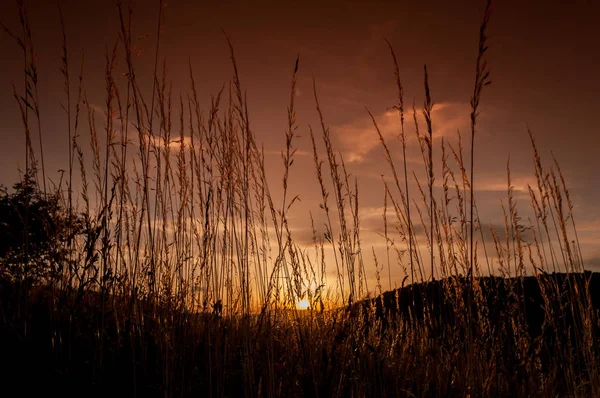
(173, 143)
(500, 183)
(359, 137)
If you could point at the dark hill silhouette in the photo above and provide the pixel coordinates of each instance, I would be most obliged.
(534, 297)
(547, 312)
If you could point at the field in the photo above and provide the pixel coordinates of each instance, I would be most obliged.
(164, 261)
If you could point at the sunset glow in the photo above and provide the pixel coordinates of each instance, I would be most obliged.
(317, 198)
(303, 304)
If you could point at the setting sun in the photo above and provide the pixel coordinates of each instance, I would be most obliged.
(302, 304)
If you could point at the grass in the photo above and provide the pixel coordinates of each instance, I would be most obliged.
(173, 272)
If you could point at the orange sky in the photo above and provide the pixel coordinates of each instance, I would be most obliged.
(543, 57)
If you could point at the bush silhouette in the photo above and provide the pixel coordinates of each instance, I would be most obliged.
(34, 229)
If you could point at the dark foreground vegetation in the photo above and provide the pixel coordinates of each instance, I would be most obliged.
(404, 343)
(160, 264)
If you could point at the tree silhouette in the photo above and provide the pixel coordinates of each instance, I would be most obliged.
(33, 232)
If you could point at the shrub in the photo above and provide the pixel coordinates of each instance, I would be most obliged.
(33, 232)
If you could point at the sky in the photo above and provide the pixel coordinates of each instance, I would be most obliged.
(543, 57)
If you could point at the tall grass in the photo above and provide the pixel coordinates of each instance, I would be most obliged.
(179, 272)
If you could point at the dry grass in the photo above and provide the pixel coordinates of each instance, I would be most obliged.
(179, 274)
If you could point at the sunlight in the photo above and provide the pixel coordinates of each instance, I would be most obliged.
(302, 304)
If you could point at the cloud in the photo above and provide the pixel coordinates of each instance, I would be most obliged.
(173, 143)
(589, 226)
(500, 183)
(304, 236)
(359, 137)
(279, 152)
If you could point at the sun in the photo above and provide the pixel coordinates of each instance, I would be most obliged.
(302, 304)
